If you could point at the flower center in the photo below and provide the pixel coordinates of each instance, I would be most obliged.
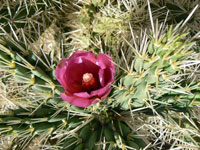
(87, 77)
(88, 82)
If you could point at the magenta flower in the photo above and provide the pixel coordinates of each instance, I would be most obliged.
(85, 77)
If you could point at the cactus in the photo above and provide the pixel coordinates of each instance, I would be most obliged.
(178, 11)
(28, 18)
(154, 79)
(73, 131)
(156, 88)
(173, 125)
(24, 14)
(100, 25)
(26, 66)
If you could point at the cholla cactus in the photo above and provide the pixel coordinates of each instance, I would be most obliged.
(166, 130)
(156, 72)
(45, 121)
(20, 14)
(100, 25)
(178, 11)
(154, 75)
(27, 18)
(102, 130)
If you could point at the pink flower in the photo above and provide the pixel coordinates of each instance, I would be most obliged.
(86, 77)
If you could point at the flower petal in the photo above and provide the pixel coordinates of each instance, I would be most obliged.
(108, 69)
(82, 94)
(101, 77)
(84, 54)
(75, 71)
(100, 92)
(60, 72)
(77, 101)
(105, 60)
(97, 93)
(70, 72)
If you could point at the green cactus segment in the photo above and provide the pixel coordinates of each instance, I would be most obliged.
(90, 143)
(157, 74)
(17, 15)
(137, 96)
(25, 69)
(97, 20)
(98, 2)
(84, 133)
(26, 124)
(94, 134)
(108, 133)
(79, 132)
(177, 11)
(79, 147)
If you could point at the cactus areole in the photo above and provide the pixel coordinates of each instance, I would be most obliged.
(86, 77)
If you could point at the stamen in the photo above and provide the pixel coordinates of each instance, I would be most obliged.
(89, 82)
(87, 77)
